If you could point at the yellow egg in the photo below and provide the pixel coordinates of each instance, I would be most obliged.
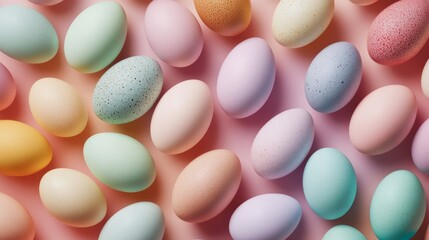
(23, 150)
(57, 107)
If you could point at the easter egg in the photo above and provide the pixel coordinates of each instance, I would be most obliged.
(72, 197)
(298, 23)
(46, 2)
(246, 78)
(399, 32)
(23, 150)
(333, 77)
(419, 149)
(266, 216)
(341, 232)
(27, 35)
(15, 220)
(7, 88)
(363, 2)
(425, 80)
(398, 206)
(95, 37)
(173, 33)
(383, 119)
(282, 143)
(206, 186)
(127, 90)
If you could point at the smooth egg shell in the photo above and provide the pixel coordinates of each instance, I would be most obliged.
(363, 2)
(182, 117)
(282, 143)
(7, 88)
(173, 33)
(206, 186)
(46, 2)
(246, 78)
(57, 107)
(419, 149)
(383, 119)
(425, 80)
(72, 197)
(15, 220)
(23, 150)
(266, 216)
(342, 232)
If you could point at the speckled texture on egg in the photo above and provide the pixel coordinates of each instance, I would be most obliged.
(399, 32)
(333, 77)
(225, 17)
(127, 90)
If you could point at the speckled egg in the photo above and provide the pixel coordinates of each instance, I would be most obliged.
(342, 232)
(333, 77)
(15, 220)
(127, 90)
(419, 149)
(363, 2)
(7, 88)
(225, 17)
(296, 23)
(398, 206)
(425, 80)
(399, 32)
(282, 143)
(206, 186)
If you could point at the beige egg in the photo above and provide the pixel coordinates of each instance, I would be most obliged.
(225, 17)
(72, 197)
(206, 186)
(57, 107)
(15, 221)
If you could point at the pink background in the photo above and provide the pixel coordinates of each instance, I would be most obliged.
(350, 23)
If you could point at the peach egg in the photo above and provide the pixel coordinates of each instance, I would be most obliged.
(7, 88)
(15, 221)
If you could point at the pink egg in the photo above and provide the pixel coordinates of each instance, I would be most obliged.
(46, 2)
(399, 32)
(7, 88)
(15, 221)
(420, 150)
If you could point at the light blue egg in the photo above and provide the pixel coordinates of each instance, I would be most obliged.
(343, 232)
(127, 90)
(329, 183)
(333, 77)
(398, 206)
(138, 221)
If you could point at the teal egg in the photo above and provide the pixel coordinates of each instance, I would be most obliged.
(398, 206)
(343, 232)
(119, 161)
(27, 35)
(95, 37)
(138, 221)
(329, 183)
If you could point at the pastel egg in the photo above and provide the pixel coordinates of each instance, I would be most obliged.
(182, 117)
(23, 150)
(95, 37)
(7, 88)
(282, 143)
(246, 78)
(333, 77)
(57, 107)
(173, 33)
(206, 186)
(363, 2)
(46, 2)
(27, 35)
(127, 90)
(399, 32)
(142, 220)
(425, 80)
(341, 232)
(329, 183)
(225, 17)
(383, 119)
(15, 221)
(398, 206)
(72, 197)
(119, 161)
(266, 216)
(419, 149)
(298, 23)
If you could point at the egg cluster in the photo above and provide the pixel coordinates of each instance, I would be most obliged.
(183, 114)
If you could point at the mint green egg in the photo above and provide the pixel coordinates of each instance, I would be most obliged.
(95, 37)
(119, 161)
(138, 221)
(398, 206)
(26, 35)
(329, 183)
(343, 232)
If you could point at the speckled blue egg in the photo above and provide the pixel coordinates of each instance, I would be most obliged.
(342, 232)
(127, 90)
(398, 206)
(333, 77)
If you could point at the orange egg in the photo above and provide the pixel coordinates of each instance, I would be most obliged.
(225, 17)
(15, 221)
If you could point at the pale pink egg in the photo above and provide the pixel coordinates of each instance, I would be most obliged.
(363, 2)
(399, 32)
(15, 221)
(419, 150)
(7, 88)
(46, 2)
